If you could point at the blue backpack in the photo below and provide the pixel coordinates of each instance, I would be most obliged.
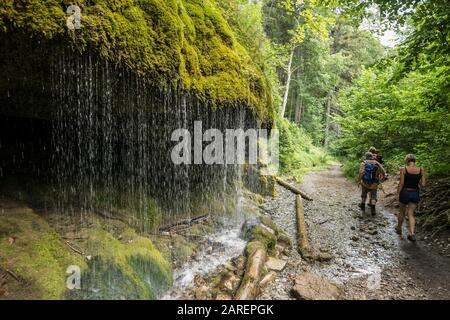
(370, 172)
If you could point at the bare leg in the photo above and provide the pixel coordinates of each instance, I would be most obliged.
(373, 198)
(401, 216)
(412, 219)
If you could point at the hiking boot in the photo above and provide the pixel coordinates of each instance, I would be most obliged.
(398, 230)
(372, 210)
(362, 206)
(412, 238)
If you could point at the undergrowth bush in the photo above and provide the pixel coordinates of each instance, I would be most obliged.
(297, 152)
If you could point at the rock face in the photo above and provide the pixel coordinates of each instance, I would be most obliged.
(310, 286)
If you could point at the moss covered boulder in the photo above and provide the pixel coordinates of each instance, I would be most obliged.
(124, 267)
(115, 262)
(33, 256)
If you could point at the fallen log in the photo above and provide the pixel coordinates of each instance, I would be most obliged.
(256, 259)
(185, 222)
(293, 189)
(302, 233)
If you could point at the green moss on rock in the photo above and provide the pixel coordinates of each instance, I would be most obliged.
(129, 268)
(34, 252)
(264, 232)
(264, 236)
(169, 42)
(121, 264)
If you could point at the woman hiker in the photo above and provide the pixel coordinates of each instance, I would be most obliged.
(412, 178)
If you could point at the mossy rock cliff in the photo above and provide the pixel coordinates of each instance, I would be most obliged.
(182, 43)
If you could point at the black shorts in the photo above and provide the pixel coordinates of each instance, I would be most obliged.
(409, 196)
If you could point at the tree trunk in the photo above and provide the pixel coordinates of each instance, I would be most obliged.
(300, 112)
(288, 83)
(298, 97)
(327, 122)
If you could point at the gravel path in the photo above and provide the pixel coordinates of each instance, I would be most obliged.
(369, 260)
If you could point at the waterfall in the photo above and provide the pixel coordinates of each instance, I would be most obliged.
(112, 137)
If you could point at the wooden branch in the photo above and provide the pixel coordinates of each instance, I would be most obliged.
(302, 233)
(12, 274)
(323, 222)
(255, 263)
(293, 189)
(185, 222)
(74, 249)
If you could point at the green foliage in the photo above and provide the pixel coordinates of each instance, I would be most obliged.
(297, 152)
(167, 41)
(427, 44)
(247, 20)
(294, 19)
(410, 116)
(351, 168)
(328, 58)
(402, 104)
(391, 13)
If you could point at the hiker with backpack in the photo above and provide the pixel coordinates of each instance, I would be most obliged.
(412, 179)
(376, 154)
(370, 174)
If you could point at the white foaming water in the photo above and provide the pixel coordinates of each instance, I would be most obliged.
(226, 245)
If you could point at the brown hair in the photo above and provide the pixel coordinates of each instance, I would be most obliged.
(373, 150)
(410, 158)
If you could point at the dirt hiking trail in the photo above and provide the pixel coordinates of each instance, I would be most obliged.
(367, 259)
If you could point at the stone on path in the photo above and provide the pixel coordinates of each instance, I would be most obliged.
(267, 279)
(310, 286)
(223, 296)
(275, 264)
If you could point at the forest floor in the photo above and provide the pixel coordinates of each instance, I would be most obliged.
(368, 259)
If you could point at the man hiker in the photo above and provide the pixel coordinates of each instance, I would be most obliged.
(370, 173)
(376, 154)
